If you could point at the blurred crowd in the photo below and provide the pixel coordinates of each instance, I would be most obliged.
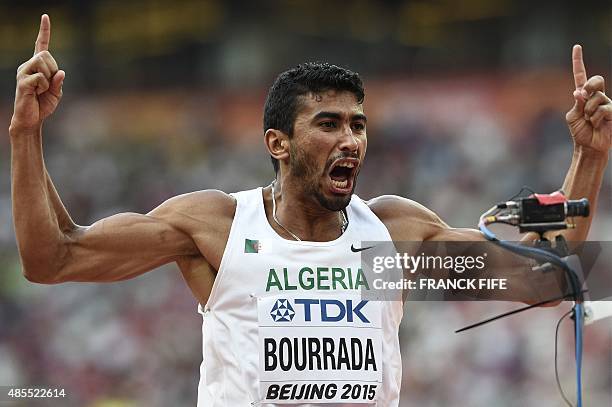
(465, 106)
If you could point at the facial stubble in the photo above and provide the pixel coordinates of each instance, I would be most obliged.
(303, 167)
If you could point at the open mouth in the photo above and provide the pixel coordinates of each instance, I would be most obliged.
(342, 174)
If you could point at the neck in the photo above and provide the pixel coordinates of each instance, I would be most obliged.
(299, 216)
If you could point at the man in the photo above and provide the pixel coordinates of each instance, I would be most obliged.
(275, 270)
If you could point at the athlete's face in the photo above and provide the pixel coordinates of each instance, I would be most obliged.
(328, 146)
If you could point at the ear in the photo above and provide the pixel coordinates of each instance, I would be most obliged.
(277, 144)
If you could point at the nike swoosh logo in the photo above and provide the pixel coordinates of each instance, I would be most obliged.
(359, 249)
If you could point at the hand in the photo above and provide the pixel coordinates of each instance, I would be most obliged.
(39, 83)
(590, 120)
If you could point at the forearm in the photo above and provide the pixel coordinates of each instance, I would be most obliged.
(65, 222)
(583, 180)
(39, 217)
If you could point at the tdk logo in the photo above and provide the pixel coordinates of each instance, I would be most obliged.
(282, 311)
(330, 310)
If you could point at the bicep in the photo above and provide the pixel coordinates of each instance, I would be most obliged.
(445, 233)
(408, 220)
(121, 247)
(439, 231)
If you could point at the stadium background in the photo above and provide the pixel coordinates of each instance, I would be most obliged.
(466, 104)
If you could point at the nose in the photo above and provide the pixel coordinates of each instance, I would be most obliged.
(349, 140)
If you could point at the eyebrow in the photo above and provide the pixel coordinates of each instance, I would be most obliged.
(338, 116)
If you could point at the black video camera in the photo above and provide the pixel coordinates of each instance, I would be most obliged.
(543, 212)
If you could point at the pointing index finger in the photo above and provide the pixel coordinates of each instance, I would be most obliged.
(44, 35)
(580, 76)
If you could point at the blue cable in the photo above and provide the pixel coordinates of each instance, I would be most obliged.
(488, 234)
(578, 315)
(578, 308)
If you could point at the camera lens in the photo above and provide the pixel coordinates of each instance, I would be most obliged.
(577, 208)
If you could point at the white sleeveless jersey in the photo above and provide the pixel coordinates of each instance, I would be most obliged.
(285, 323)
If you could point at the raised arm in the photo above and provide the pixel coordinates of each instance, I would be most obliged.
(590, 124)
(52, 247)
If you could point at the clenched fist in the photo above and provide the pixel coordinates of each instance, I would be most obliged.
(39, 84)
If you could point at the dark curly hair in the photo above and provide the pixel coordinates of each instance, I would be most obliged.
(281, 105)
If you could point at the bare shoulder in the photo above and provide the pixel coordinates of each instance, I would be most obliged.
(206, 217)
(409, 220)
(406, 219)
